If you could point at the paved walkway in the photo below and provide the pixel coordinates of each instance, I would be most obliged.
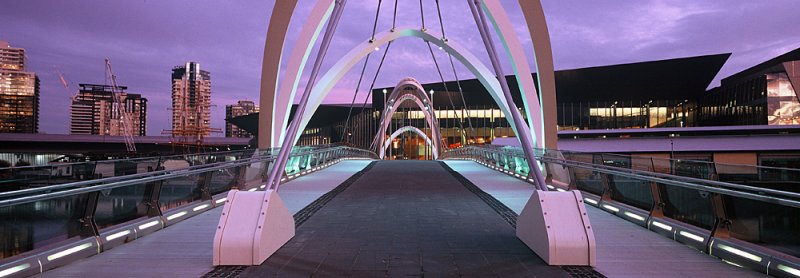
(405, 218)
(624, 249)
(184, 250)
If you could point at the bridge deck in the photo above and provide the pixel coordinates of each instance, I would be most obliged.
(184, 250)
(387, 216)
(405, 218)
(623, 248)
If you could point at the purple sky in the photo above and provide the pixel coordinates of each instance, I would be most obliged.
(145, 38)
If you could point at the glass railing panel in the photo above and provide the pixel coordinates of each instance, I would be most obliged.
(179, 191)
(769, 225)
(634, 192)
(121, 204)
(688, 205)
(29, 226)
(12, 179)
(693, 169)
(588, 180)
(224, 179)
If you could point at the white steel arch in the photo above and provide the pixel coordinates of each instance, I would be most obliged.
(541, 122)
(401, 130)
(408, 89)
(471, 62)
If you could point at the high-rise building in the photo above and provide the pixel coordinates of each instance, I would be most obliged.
(191, 101)
(92, 111)
(241, 108)
(19, 92)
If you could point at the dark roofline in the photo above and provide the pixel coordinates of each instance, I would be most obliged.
(727, 56)
(766, 65)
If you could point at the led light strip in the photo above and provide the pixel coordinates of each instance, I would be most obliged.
(790, 270)
(634, 216)
(64, 253)
(148, 224)
(692, 236)
(591, 201)
(118, 235)
(611, 208)
(740, 253)
(182, 213)
(15, 269)
(662, 226)
(200, 207)
(221, 200)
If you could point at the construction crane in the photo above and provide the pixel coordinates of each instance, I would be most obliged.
(118, 111)
(66, 84)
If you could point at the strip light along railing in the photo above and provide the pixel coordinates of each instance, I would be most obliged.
(748, 226)
(63, 223)
(16, 178)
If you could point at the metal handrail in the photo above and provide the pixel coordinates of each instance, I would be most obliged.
(671, 160)
(668, 176)
(119, 160)
(169, 174)
(687, 182)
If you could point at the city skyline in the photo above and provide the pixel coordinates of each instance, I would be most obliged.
(148, 40)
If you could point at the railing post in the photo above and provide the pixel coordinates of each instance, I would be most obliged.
(722, 225)
(88, 227)
(203, 183)
(152, 193)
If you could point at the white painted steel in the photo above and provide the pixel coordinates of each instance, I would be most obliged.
(556, 227)
(399, 131)
(247, 235)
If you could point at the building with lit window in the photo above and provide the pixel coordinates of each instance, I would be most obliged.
(92, 111)
(765, 94)
(241, 108)
(191, 101)
(19, 92)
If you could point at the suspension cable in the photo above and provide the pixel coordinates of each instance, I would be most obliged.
(375, 24)
(422, 14)
(394, 17)
(455, 74)
(444, 84)
(375, 78)
(361, 76)
(439, 12)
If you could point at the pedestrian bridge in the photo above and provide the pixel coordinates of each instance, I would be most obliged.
(360, 217)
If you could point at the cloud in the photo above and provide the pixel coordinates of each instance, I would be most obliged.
(145, 38)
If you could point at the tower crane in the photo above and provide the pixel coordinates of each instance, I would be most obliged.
(119, 111)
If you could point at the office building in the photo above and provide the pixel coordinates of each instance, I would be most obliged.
(19, 92)
(191, 101)
(92, 111)
(241, 108)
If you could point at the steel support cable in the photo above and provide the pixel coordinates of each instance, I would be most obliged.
(524, 137)
(361, 77)
(422, 15)
(444, 84)
(274, 178)
(452, 65)
(375, 78)
(394, 16)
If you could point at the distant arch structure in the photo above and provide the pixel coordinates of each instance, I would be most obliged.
(388, 141)
(408, 90)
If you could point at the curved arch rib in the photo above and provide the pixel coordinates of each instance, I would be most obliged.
(472, 63)
(270, 66)
(399, 95)
(294, 68)
(401, 130)
(522, 70)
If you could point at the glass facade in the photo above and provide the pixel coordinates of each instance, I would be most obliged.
(19, 93)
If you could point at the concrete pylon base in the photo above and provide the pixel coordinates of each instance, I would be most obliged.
(252, 227)
(556, 227)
